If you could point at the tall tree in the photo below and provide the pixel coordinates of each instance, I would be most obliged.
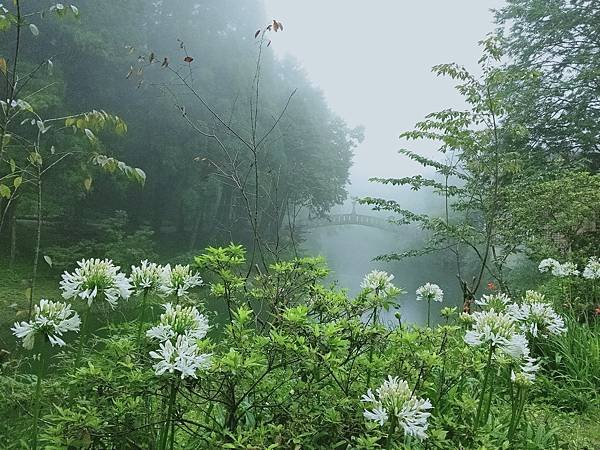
(560, 103)
(478, 166)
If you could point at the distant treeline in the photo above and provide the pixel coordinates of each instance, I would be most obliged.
(160, 66)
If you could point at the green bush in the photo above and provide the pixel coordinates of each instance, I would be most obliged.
(293, 364)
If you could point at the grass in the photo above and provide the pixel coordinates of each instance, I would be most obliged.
(572, 430)
(14, 295)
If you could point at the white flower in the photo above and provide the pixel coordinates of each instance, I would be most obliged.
(534, 297)
(379, 415)
(537, 318)
(498, 330)
(395, 397)
(95, 277)
(567, 269)
(517, 347)
(430, 291)
(548, 264)
(592, 269)
(50, 319)
(179, 321)
(413, 417)
(379, 283)
(147, 277)
(183, 357)
(526, 375)
(179, 280)
(493, 302)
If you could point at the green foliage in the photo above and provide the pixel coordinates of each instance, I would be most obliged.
(574, 367)
(303, 165)
(480, 165)
(559, 214)
(290, 361)
(113, 238)
(558, 40)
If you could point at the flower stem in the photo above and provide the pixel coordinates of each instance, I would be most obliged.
(83, 336)
(488, 403)
(517, 411)
(484, 387)
(141, 319)
(371, 350)
(428, 312)
(389, 441)
(37, 402)
(167, 425)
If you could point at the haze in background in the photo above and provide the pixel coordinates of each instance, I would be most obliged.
(373, 60)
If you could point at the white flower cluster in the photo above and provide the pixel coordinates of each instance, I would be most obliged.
(93, 278)
(179, 280)
(499, 330)
(179, 321)
(537, 318)
(147, 277)
(505, 326)
(379, 283)
(494, 302)
(185, 325)
(183, 357)
(429, 292)
(50, 319)
(567, 269)
(394, 397)
(526, 375)
(96, 277)
(592, 269)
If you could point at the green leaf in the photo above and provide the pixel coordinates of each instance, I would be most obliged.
(90, 135)
(34, 29)
(87, 183)
(48, 260)
(13, 166)
(35, 158)
(17, 182)
(4, 191)
(140, 175)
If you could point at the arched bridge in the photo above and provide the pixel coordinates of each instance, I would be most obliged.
(348, 219)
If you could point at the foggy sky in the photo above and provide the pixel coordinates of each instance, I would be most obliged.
(373, 59)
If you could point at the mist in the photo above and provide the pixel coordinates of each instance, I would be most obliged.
(299, 224)
(373, 64)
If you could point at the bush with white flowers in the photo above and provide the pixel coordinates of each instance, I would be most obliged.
(287, 360)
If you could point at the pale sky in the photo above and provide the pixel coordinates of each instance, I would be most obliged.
(373, 59)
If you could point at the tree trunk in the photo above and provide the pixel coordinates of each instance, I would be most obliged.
(196, 228)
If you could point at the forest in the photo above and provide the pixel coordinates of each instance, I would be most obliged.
(165, 170)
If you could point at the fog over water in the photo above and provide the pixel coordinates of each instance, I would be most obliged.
(372, 60)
